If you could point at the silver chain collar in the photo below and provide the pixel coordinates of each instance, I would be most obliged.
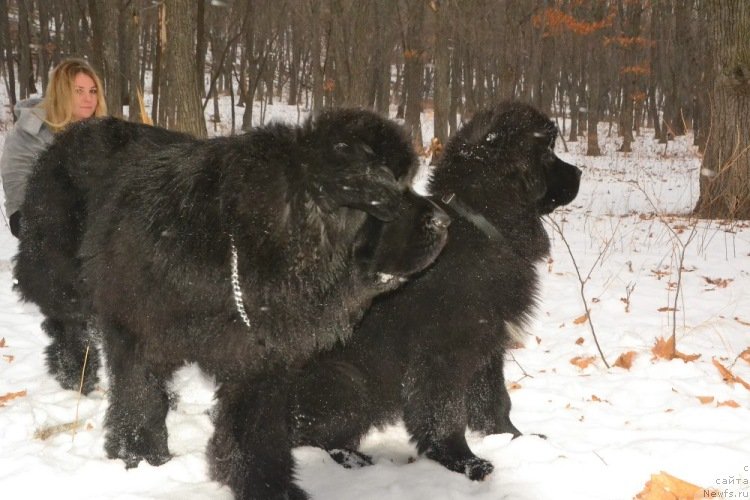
(236, 290)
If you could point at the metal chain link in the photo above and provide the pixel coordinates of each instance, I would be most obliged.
(236, 290)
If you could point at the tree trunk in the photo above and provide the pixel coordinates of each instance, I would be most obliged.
(105, 20)
(441, 95)
(316, 58)
(46, 49)
(631, 13)
(181, 108)
(131, 30)
(25, 69)
(7, 54)
(726, 162)
(413, 70)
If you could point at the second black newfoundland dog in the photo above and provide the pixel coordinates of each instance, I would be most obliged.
(244, 254)
(433, 352)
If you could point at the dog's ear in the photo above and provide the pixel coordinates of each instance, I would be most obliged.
(348, 178)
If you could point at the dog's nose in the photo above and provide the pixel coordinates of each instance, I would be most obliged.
(441, 219)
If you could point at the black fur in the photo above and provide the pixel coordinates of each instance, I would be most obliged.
(71, 177)
(432, 353)
(318, 215)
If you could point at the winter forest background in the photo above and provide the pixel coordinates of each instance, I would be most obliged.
(637, 364)
(661, 64)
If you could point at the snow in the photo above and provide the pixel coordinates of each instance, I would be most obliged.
(607, 430)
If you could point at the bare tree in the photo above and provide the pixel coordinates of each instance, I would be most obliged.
(7, 53)
(441, 93)
(180, 108)
(412, 20)
(726, 162)
(105, 16)
(25, 68)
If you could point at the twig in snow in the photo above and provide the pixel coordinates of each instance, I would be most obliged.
(583, 281)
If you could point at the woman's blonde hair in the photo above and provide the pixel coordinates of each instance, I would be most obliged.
(58, 100)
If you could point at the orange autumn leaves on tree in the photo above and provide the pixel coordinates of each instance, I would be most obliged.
(555, 21)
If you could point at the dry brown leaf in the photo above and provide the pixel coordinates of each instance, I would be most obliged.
(718, 282)
(665, 349)
(11, 395)
(2, 342)
(582, 362)
(686, 357)
(47, 432)
(663, 486)
(580, 341)
(745, 355)
(660, 274)
(625, 360)
(538, 340)
(580, 319)
(730, 403)
(513, 386)
(728, 376)
(741, 322)
(9, 357)
(706, 399)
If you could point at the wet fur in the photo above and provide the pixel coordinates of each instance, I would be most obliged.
(433, 352)
(134, 225)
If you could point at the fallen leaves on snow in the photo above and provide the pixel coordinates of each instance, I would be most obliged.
(665, 349)
(581, 319)
(582, 362)
(625, 360)
(10, 396)
(718, 282)
(729, 377)
(664, 486)
(47, 432)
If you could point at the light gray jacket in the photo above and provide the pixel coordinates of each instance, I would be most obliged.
(28, 138)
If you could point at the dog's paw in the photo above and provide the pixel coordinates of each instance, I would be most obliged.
(477, 469)
(131, 449)
(350, 459)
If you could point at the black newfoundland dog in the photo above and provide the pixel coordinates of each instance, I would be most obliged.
(244, 254)
(432, 353)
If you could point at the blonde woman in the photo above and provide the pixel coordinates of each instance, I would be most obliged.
(74, 93)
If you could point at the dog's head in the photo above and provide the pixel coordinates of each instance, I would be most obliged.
(504, 158)
(399, 238)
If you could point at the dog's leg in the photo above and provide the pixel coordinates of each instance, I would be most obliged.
(435, 414)
(250, 449)
(67, 353)
(332, 408)
(138, 402)
(488, 402)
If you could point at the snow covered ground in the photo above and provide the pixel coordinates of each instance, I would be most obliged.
(608, 430)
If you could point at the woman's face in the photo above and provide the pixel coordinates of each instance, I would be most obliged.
(84, 97)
